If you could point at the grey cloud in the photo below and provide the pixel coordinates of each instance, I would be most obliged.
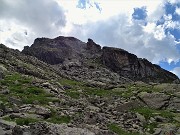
(41, 16)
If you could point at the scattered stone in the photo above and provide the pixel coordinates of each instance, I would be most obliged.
(44, 128)
(2, 132)
(2, 71)
(4, 91)
(40, 110)
(157, 131)
(7, 124)
(15, 100)
(129, 105)
(93, 108)
(141, 118)
(159, 119)
(174, 104)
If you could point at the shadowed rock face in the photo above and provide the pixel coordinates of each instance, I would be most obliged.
(55, 51)
(128, 65)
(93, 47)
(58, 50)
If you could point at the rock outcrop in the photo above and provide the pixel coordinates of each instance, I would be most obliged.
(55, 51)
(129, 65)
(93, 47)
(63, 49)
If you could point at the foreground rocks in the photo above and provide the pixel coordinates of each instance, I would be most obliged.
(44, 128)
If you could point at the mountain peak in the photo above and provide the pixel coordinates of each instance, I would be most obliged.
(56, 51)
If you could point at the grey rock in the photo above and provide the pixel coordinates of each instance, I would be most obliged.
(93, 108)
(25, 115)
(15, 100)
(130, 105)
(174, 104)
(141, 118)
(1, 112)
(44, 128)
(40, 110)
(2, 71)
(129, 66)
(157, 131)
(155, 100)
(2, 132)
(6, 124)
(4, 91)
(159, 119)
(93, 47)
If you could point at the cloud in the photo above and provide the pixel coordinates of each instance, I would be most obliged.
(40, 18)
(133, 36)
(142, 37)
(176, 71)
(178, 11)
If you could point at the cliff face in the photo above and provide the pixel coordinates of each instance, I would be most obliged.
(58, 50)
(128, 65)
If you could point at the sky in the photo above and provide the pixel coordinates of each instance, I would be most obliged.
(148, 28)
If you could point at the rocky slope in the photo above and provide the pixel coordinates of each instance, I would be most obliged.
(78, 92)
(63, 50)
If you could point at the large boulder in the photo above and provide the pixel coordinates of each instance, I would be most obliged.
(155, 100)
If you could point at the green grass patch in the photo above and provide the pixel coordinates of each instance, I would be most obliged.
(70, 82)
(25, 121)
(21, 87)
(118, 130)
(21, 121)
(3, 98)
(147, 113)
(59, 119)
(73, 94)
(151, 127)
(97, 92)
(15, 78)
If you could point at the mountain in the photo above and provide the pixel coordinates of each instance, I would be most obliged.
(63, 49)
(64, 86)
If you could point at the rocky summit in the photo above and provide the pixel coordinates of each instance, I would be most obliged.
(64, 86)
(69, 50)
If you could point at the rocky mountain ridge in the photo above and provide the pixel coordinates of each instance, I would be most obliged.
(81, 94)
(63, 49)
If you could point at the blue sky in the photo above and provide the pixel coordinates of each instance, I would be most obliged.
(170, 9)
(150, 29)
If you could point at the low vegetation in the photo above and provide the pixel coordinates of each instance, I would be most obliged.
(118, 130)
